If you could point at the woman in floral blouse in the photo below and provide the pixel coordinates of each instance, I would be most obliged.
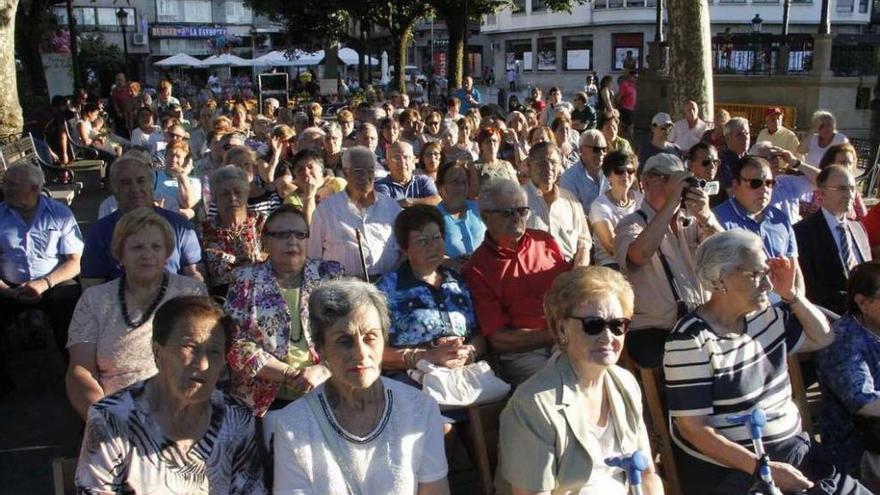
(229, 239)
(272, 360)
(432, 312)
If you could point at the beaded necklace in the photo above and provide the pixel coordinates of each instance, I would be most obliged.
(149, 311)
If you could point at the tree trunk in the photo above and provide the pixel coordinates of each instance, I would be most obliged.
(11, 121)
(399, 53)
(690, 60)
(456, 54)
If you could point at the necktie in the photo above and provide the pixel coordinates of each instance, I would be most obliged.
(846, 251)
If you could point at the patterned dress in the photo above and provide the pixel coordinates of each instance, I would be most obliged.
(125, 451)
(239, 245)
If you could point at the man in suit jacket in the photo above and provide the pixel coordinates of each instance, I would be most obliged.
(830, 244)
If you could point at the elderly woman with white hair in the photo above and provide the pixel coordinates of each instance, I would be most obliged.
(232, 237)
(824, 135)
(357, 432)
(729, 357)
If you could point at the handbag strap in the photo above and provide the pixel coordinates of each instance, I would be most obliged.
(669, 277)
(331, 439)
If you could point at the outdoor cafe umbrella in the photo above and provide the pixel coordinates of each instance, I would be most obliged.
(350, 57)
(226, 60)
(179, 60)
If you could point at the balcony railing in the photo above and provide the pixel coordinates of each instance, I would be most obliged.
(759, 54)
(854, 55)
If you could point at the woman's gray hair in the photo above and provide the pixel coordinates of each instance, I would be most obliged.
(229, 173)
(723, 252)
(336, 299)
(496, 188)
(734, 124)
(34, 173)
(823, 115)
(332, 128)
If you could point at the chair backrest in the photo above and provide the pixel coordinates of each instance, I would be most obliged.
(17, 151)
(63, 472)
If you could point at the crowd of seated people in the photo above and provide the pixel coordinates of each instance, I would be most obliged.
(254, 307)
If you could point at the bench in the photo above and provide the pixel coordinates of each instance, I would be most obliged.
(755, 114)
(26, 149)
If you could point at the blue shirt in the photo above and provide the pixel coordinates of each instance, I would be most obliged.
(420, 186)
(421, 313)
(787, 195)
(774, 230)
(465, 233)
(578, 182)
(462, 95)
(849, 371)
(97, 262)
(168, 188)
(29, 252)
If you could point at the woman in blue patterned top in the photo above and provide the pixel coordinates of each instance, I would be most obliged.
(432, 312)
(849, 373)
(463, 229)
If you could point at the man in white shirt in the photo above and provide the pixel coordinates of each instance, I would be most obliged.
(689, 130)
(357, 208)
(554, 209)
(776, 133)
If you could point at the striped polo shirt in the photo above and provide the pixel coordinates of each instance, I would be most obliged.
(714, 375)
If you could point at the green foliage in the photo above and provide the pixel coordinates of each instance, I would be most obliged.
(100, 55)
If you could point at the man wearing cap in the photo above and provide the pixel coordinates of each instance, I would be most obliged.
(584, 179)
(661, 126)
(655, 247)
(689, 130)
(749, 208)
(777, 134)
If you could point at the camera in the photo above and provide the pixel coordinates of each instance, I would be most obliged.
(710, 187)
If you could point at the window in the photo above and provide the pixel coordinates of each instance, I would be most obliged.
(237, 13)
(615, 4)
(197, 10)
(577, 52)
(547, 54)
(166, 10)
(845, 5)
(85, 16)
(519, 7)
(626, 50)
(539, 6)
(518, 54)
(600, 4)
(107, 17)
(863, 6)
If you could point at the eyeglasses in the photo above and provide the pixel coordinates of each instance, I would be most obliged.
(757, 183)
(284, 235)
(593, 325)
(432, 122)
(626, 170)
(425, 241)
(599, 149)
(521, 211)
(757, 275)
(711, 162)
(850, 189)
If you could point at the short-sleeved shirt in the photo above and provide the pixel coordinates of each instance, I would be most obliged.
(655, 304)
(508, 285)
(168, 188)
(782, 138)
(684, 136)
(465, 233)
(314, 454)
(422, 313)
(714, 375)
(849, 371)
(564, 219)
(462, 95)
(648, 150)
(28, 252)
(774, 229)
(97, 262)
(627, 99)
(603, 210)
(419, 186)
(125, 450)
(587, 116)
(584, 187)
(787, 195)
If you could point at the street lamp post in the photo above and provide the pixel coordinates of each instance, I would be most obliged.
(122, 20)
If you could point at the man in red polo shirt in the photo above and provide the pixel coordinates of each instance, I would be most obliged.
(508, 276)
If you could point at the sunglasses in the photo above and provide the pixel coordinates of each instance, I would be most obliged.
(509, 212)
(283, 235)
(711, 162)
(757, 183)
(599, 149)
(593, 325)
(626, 170)
(432, 122)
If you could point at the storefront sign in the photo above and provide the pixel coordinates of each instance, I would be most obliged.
(187, 32)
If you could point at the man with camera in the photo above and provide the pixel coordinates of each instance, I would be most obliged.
(750, 208)
(655, 248)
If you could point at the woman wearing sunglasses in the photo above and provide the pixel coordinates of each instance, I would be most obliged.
(581, 408)
(728, 357)
(272, 360)
(618, 201)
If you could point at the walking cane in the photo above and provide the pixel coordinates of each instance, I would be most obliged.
(633, 464)
(755, 421)
(360, 236)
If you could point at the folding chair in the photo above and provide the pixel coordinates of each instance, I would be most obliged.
(482, 430)
(63, 473)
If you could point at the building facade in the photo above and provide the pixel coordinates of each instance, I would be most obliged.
(557, 48)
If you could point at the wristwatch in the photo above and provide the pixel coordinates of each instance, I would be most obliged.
(796, 165)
